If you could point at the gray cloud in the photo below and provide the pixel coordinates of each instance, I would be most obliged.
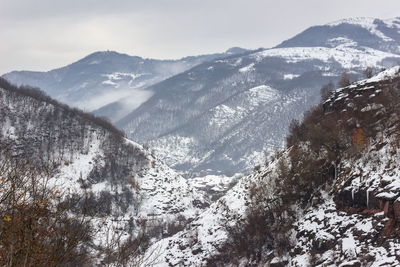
(44, 34)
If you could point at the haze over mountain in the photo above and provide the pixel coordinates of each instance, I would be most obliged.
(223, 116)
(104, 77)
(221, 113)
(283, 175)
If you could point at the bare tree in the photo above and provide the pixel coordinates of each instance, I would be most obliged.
(368, 72)
(132, 250)
(326, 91)
(344, 80)
(35, 228)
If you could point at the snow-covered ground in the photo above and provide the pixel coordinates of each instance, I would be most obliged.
(348, 55)
(324, 234)
(343, 238)
(89, 161)
(202, 238)
(370, 25)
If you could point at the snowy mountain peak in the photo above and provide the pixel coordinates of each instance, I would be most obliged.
(373, 25)
(205, 114)
(105, 53)
(236, 50)
(99, 56)
(103, 77)
(363, 21)
(383, 35)
(366, 22)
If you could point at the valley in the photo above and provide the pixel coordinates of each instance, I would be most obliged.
(281, 156)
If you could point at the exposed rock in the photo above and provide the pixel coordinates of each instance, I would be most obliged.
(396, 209)
(387, 207)
(278, 262)
(354, 263)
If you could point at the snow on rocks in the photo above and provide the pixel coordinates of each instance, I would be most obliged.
(166, 193)
(247, 68)
(326, 234)
(342, 239)
(290, 76)
(203, 236)
(349, 248)
(369, 24)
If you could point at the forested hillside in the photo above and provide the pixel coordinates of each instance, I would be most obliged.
(102, 197)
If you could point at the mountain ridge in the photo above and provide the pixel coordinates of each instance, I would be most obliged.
(374, 34)
(193, 99)
(184, 113)
(106, 76)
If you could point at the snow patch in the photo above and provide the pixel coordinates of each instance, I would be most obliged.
(347, 56)
(290, 76)
(247, 68)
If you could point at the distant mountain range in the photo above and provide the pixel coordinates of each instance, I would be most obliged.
(223, 116)
(104, 77)
(221, 113)
(330, 197)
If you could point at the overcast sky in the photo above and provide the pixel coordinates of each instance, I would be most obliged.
(45, 34)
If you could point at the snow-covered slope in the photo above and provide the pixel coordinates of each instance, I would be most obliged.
(356, 224)
(205, 236)
(87, 158)
(223, 116)
(102, 78)
(351, 218)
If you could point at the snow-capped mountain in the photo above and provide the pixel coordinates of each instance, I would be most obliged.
(87, 157)
(223, 116)
(382, 35)
(349, 216)
(105, 77)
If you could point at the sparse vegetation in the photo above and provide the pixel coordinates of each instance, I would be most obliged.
(38, 94)
(316, 147)
(36, 228)
(39, 225)
(344, 80)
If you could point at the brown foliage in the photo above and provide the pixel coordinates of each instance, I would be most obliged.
(316, 147)
(35, 230)
(358, 137)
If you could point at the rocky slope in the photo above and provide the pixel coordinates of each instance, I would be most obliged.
(223, 116)
(346, 214)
